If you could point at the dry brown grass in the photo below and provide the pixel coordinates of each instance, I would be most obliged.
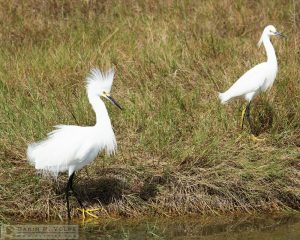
(180, 151)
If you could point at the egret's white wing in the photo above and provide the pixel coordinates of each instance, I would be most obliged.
(251, 81)
(70, 146)
(55, 153)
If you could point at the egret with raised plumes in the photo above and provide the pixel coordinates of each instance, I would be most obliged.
(258, 79)
(69, 147)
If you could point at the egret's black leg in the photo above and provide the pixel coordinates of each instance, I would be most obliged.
(253, 137)
(69, 184)
(75, 193)
(247, 113)
(83, 210)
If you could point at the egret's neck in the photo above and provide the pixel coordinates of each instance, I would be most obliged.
(102, 118)
(269, 50)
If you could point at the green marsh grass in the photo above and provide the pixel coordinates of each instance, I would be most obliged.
(171, 59)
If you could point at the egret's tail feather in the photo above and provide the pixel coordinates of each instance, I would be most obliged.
(223, 98)
(30, 155)
(35, 158)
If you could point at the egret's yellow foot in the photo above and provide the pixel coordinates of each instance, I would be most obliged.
(88, 212)
(256, 139)
(243, 117)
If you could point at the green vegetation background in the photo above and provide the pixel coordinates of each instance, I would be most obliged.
(180, 151)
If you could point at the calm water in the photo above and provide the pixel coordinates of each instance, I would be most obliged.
(209, 228)
(262, 228)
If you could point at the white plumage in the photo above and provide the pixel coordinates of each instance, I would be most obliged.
(258, 79)
(69, 147)
(261, 77)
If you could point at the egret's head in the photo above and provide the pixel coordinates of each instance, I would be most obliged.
(269, 31)
(100, 83)
(111, 99)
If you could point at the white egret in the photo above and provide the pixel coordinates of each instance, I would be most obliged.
(258, 79)
(70, 147)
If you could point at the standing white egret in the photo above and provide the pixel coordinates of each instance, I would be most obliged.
(70, 147)
(258, 79)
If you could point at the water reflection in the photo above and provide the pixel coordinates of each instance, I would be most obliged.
(262, 228)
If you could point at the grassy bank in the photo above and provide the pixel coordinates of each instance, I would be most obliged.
(180, 151)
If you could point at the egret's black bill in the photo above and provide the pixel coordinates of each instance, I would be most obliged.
(280, 34)
(114, 102)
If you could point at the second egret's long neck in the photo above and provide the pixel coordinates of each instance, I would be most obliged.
(102, 118)
(271, 56)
